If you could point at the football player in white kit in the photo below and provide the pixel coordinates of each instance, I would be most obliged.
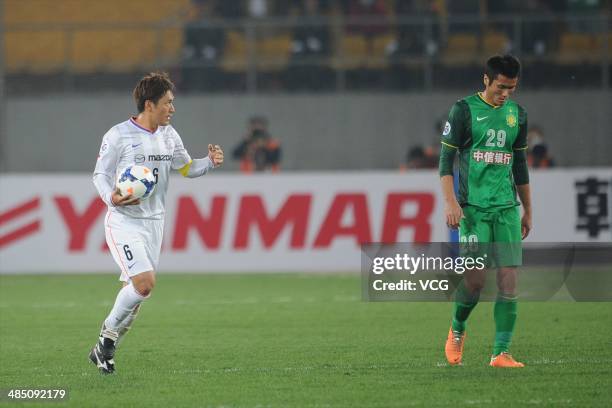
(134, 228)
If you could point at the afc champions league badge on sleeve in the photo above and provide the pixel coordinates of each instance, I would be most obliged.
(447, 129)
(169, 143)
(103, 149)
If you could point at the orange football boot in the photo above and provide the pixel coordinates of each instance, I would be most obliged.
(454, 347)
(505, 360)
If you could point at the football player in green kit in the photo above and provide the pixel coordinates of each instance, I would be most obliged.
(488, 132)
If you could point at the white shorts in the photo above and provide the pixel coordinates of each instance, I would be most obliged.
(135, 243)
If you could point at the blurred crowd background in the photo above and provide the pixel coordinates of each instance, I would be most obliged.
(292, 45)
(371, 68)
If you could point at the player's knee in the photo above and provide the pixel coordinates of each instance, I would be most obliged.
(145, 285)
(145, 290)
(475, 287)
(506, 280)
(148, 288)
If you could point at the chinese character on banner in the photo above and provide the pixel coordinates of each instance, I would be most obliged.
(592, 204)
(478, 155)
(499, 158)
(507, 158)
(488, 157)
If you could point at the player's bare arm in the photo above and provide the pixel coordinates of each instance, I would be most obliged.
(453, 136)
(524, 193)
(452, 210)
(520, 174)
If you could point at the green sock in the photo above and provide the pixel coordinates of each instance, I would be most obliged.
(505, 317)
(465, 302)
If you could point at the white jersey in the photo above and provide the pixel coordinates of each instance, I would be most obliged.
(126, 144)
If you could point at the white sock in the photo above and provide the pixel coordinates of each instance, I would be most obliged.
(126, 301)
(126, 324)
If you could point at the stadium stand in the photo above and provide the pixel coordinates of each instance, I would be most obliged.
(273, 53)
(576, 48)
(380, 44)
(352, 53)
(461, 49)
(65, 38)
(54, 35)
(35, 51)
(235, 56)
(495, 42)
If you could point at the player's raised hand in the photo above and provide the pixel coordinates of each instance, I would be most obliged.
(119, 200)
(215, 154)
(453, 213)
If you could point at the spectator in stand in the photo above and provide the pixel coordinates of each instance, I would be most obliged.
(419, 157)
(458, 8)
(309, 50)
(258, 151)
(581, 8)
(536, 35)
(203, 48)
(257, 8)
(538, 156)
(312, 37)
(428, 157)
(502, 8)
(411, 38)
(230, 10)
(367, 8)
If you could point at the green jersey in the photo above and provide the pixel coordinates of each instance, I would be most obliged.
(486, 138)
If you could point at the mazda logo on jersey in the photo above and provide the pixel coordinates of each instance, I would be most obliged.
(160, 157)
(139, 158)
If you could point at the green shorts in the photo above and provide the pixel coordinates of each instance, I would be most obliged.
(496, 233)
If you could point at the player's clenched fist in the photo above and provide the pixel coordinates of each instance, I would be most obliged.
(215, 154)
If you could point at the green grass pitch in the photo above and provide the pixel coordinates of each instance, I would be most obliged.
(284, 340)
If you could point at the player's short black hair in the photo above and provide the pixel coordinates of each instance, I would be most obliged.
(152, 87)
(506, 65)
